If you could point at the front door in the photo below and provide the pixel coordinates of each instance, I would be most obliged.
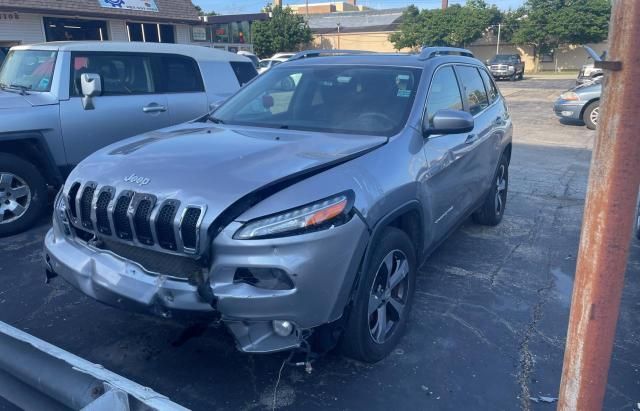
(130, 103)
(448, 158)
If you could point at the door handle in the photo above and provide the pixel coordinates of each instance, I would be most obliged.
(498, 121)
(154, 108)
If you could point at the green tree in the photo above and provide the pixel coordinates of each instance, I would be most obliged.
(284, 31)
(202, 12)
(545, 24)
(455, 26)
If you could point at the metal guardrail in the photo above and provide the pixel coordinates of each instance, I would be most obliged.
(36, 375)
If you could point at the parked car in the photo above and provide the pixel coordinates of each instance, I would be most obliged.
(286, 55)
(254, 59)
(267, 64)
(506, 66)
(59, 102)
(581, 103)
(588, 73)
(298, 206)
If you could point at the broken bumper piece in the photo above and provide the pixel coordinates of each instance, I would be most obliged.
(321, 268)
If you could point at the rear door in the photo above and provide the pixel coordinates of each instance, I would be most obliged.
(130, 103)
(482, 142)
(180, 78)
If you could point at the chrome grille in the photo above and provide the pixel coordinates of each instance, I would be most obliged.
(164, 225)
(102, 215)
(85, 206)
(120, 218)
(138, 219)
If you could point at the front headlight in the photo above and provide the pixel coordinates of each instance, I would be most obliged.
(570, 96)
(315, 216)
(60, 212)
(511, 68)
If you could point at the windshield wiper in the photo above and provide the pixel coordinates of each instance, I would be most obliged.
(9, 89)
(23, 89)
(214, 119)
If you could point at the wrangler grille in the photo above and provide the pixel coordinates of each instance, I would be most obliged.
(134, 218)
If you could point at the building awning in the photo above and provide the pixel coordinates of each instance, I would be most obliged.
(169, 11)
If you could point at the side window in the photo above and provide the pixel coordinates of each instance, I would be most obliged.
(490, 86)
(245, 72)
(444, 92)
(179, 74)
(122, 74)
(473, 89)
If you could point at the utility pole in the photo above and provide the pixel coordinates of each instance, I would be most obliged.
(498, 45)
(307, 6)
(445, 4)
(608, 220)
(338, 36)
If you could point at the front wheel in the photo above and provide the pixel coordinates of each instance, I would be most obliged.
(591, 115)
(383, 300)
(492, 210)
(23, 194)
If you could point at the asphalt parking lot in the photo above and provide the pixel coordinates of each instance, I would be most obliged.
(488, 325)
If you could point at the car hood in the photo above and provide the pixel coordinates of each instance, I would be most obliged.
(12, 100)
(217, 166)
(589, 87)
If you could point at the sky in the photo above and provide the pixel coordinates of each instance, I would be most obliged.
(253, 6)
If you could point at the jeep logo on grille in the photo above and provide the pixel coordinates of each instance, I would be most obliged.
(142, 181)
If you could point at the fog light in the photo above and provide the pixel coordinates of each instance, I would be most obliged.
(282, 328)
(567, 113)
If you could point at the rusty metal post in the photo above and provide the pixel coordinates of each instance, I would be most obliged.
(608, 220)
(445, 4)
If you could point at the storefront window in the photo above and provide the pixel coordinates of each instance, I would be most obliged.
(220, 33)
(58, 29)
(151, 32)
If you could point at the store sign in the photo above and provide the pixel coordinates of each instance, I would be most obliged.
(138, 5)
(9, 16)
(199, 33)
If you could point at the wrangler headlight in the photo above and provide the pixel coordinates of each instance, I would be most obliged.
(311, 217)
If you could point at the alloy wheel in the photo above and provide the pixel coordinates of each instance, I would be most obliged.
(593, 116)
(501, 190)
(388, 296)
(15, 197)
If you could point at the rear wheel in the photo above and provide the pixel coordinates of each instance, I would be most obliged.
(591, 115)
(383, 301)
(492, 210)
(23, 194)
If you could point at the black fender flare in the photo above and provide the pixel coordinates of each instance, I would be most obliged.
(39, 151)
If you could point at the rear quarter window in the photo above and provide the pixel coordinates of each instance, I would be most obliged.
(244, 71)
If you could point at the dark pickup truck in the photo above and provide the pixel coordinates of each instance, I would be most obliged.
(506, 66)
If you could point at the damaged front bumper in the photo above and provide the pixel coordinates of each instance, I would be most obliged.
(321, 267)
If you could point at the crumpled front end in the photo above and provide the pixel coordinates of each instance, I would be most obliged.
(254, 286)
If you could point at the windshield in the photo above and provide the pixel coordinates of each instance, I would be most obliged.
(504, 58)
(335, 99)
(28, 69)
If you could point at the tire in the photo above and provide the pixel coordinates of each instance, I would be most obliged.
(591, 114)
(492, 210)
(23, 195)
(364, 339)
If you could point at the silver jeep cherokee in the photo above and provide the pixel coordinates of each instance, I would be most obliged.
(298, 209)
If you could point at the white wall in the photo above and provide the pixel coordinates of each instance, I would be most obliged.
(25, 30)
(118, 30)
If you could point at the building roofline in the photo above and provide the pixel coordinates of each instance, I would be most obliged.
(154, 17)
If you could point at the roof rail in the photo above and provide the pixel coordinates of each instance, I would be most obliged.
(318, 53)
(430, 52)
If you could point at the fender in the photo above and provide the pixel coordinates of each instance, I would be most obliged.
(41, 152)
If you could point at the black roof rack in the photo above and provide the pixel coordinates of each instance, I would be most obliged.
(430, 52)
(318, 53)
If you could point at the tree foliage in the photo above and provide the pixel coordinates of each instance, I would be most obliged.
(545, 24)
(202, 12)
(455, 26)
(284, 31)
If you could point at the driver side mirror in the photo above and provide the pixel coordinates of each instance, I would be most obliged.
(448, 122)
(91, 85)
